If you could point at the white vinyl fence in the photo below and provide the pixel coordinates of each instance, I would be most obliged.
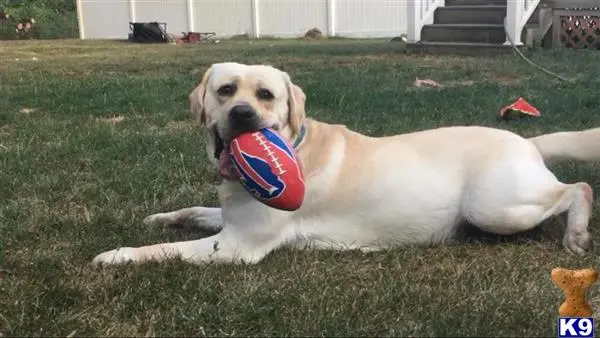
(109, 19)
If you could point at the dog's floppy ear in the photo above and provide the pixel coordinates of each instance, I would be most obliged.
(197, 98)
(296, 102)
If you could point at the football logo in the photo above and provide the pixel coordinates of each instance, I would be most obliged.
(262, 182)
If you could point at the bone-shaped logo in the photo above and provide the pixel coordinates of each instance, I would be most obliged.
(574, 284)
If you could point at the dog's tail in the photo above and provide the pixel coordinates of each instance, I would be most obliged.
(575, 145)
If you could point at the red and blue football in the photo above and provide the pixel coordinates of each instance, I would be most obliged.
(269, 168)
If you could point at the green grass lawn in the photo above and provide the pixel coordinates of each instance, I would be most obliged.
(94, 136)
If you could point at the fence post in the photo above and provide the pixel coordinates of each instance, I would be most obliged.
(255, 18)
(413, 20)
(331, 18)
(190, 15)
(80, 20)
(132, 10)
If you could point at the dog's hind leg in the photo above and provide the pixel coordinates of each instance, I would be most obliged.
(202, 218)
(580, 197)
(519, 193)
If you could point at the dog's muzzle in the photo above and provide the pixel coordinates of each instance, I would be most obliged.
(243, 118)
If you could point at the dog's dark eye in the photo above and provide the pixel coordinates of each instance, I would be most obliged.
(264, 94)
(226, 90)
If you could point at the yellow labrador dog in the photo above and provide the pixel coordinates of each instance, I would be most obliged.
(365, 192)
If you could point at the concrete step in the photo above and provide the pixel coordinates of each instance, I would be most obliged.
(459, 48)
(481, 33)
(476, 2)
(490, 14)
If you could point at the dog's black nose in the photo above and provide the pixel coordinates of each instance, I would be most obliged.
(243, 117)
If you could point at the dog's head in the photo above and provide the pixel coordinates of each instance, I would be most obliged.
(233, 98)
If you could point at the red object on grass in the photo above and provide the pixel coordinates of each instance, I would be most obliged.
(522, 107)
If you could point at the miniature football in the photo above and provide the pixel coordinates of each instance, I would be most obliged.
(269, 169)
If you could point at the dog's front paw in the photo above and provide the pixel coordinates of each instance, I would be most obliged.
(115, 257)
